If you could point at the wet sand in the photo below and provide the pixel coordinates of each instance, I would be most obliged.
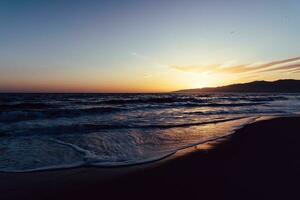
(259, 161)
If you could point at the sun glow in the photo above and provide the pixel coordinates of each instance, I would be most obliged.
(200, 80)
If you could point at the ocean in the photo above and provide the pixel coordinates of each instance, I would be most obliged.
(51, 131)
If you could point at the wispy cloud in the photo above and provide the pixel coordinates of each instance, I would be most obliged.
(135, 54)
(147, 59)
(295, 71)
(286, 65)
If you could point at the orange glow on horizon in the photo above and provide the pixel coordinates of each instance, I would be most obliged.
(162, 79)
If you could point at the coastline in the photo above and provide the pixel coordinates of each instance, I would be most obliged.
(214, 169)
(239, 123)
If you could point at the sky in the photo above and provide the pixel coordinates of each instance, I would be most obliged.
(145, 46)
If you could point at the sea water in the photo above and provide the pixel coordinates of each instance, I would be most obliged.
(46, 131)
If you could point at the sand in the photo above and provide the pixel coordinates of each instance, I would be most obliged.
(259, 161)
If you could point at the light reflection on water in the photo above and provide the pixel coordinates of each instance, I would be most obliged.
(64, 130)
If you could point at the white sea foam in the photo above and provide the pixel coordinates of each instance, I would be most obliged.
(118, 130)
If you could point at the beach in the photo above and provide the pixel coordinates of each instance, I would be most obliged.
(149, 100)
(259, 161)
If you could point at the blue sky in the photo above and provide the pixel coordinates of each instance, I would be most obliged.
(143, 46)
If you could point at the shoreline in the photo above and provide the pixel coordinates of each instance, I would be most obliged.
(171, 155)
(63, 183)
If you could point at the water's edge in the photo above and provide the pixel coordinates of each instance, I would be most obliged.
(152, 160)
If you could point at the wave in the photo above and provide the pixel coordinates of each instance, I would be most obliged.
(142, 100)
(166, 100)
(267, 99)
(24, 106)
(234, 112)
(14, 116)
(114, 130)
(91, 128)
(91, 159)
(34, 111)
(230, 104)
(184, 101)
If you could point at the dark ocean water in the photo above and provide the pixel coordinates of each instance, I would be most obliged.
(44, 131)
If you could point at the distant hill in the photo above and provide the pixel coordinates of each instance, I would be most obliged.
(287, 85)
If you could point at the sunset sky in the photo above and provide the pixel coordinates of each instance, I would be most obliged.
(145, 46)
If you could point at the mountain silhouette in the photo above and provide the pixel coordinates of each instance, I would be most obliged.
(281, 86)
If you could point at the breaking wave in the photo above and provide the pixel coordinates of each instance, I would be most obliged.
(50, 131)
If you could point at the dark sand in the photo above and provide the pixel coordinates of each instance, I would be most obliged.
(260, 161)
